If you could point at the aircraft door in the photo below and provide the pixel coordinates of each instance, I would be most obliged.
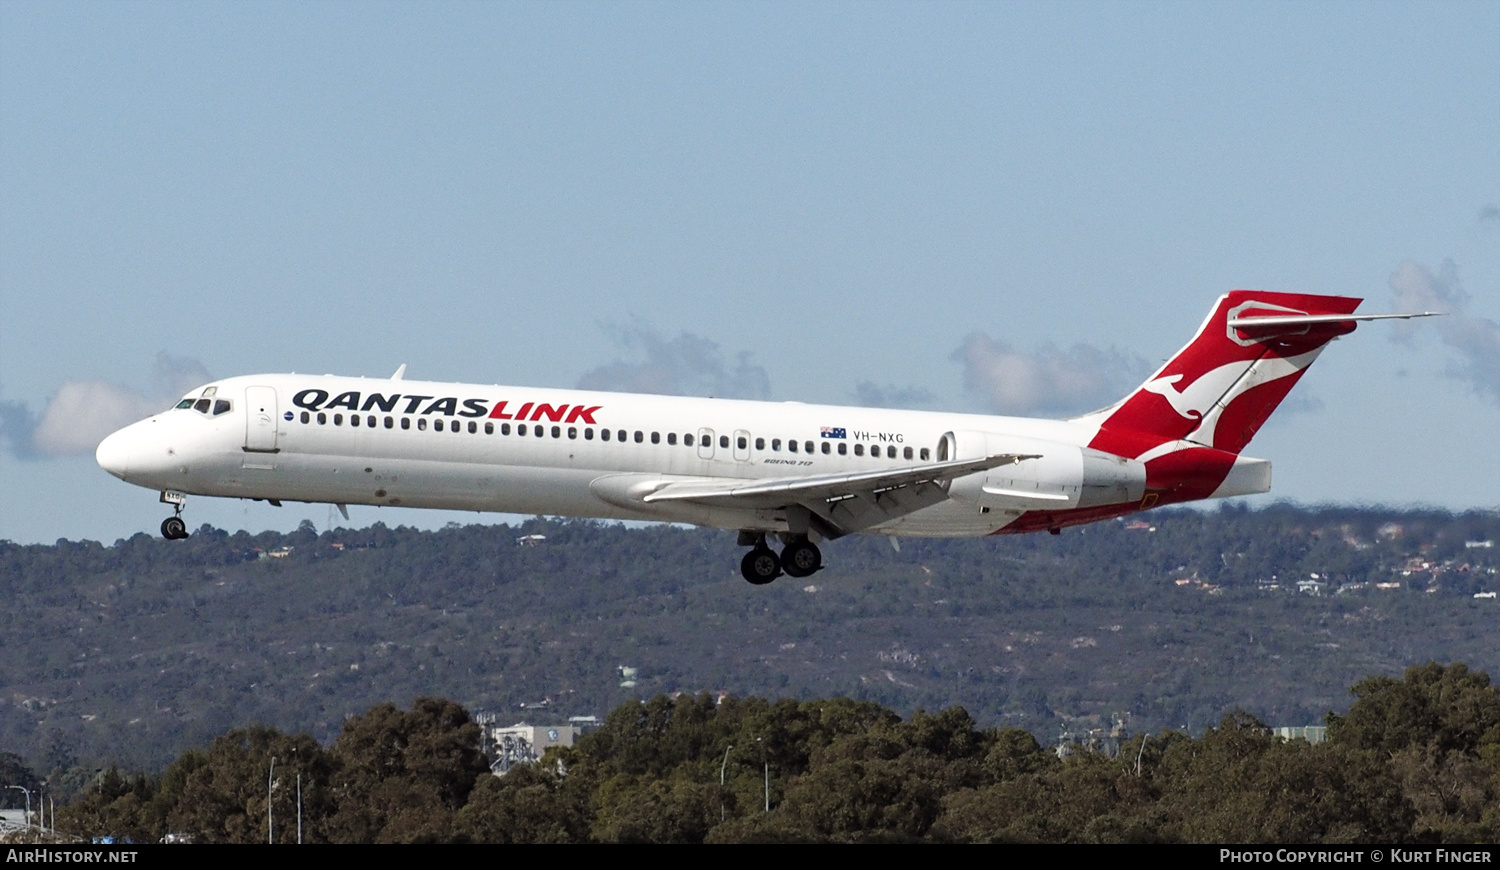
(741, 445)
(260, 419)
(705, 444)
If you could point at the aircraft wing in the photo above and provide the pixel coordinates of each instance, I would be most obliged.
(778, 491)
(832, 505)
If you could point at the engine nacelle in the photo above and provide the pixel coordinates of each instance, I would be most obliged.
(1061, 476)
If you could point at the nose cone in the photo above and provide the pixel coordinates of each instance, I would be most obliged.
(113, 453)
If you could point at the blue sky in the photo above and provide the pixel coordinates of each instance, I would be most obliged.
(832, 202)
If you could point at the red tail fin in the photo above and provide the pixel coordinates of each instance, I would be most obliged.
(1220, 389)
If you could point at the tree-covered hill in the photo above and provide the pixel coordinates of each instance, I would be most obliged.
(128, 654)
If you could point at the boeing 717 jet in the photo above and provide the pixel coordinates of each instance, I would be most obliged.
(788, 473)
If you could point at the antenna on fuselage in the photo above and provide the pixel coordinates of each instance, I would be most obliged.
(399, 372)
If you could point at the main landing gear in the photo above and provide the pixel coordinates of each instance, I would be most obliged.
(799, 558)
(173, 528)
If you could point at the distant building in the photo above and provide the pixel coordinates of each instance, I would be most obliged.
(1310, 733)
(523, 744)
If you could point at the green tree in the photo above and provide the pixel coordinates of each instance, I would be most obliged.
(403, 775)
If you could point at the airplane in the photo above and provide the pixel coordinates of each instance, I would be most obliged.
(792, 473)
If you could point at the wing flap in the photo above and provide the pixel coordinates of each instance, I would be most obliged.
(781, 491)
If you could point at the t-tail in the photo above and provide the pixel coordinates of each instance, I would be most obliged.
(1189, 421)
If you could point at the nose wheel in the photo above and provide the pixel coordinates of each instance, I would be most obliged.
(173, 528)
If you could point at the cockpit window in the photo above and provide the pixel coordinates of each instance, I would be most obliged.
(206, 406)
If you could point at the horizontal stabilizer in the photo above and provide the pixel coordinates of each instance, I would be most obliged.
(1309, 319)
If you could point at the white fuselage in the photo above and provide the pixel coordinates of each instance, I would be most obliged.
(573, 453)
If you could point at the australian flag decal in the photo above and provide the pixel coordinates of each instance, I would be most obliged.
(831, 432)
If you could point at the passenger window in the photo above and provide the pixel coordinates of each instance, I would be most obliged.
(504, 428)
(389, 423)
(603, 434)
(639, 436)
(405, 422)
(354, 420)
(859, 450)
(455, 427)
(556, 431)
(338, 419)
(925, 454)
(826, 448)
(741, 441)
(655, 437)
(322, 418)
(202, 405)
(489, 428)
(906, 454)
(572, 433)
(620, 435)
(807, 446)
(791, 446)
(776, 444)
(421, 424)
(588, 434)
(437, 425)
(760, 444)
(672, 438)
(474, 427)
(306, 416)
(724, 441)
(843, 448)
(687, 440)
(370, 421)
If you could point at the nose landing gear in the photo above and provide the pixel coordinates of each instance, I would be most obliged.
(173, 528)
(799, 558)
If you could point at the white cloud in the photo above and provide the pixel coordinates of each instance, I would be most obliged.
(872, 395)
(81, 413)
(1476, 339)
(688, 365)
(1049, 379)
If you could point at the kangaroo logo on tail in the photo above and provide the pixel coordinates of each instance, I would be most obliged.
(1219, 389)
(1199, 396)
